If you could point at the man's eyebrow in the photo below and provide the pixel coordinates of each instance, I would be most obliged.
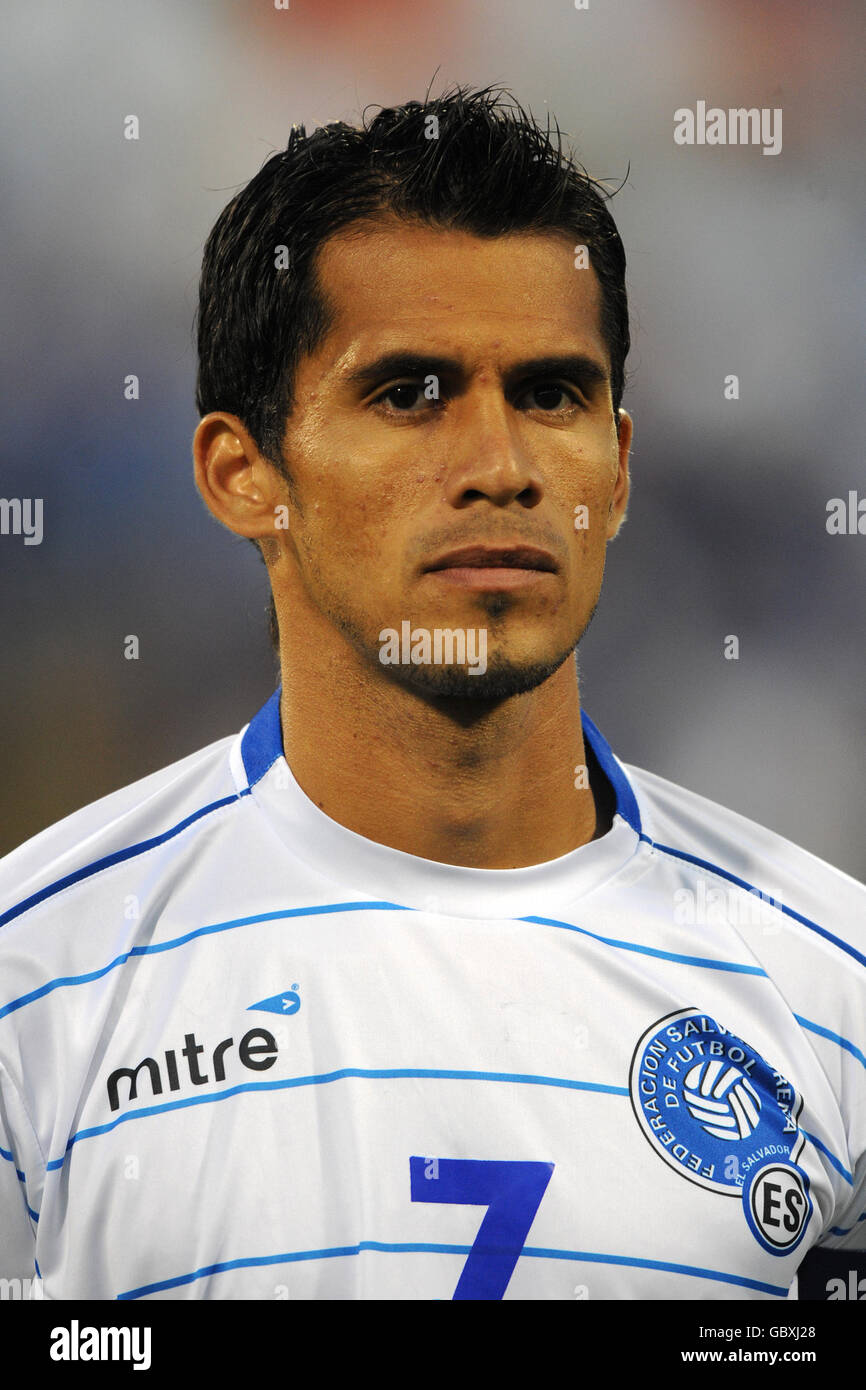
(576, 365)
(402, 364)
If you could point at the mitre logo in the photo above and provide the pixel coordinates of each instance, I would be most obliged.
(201, 1065)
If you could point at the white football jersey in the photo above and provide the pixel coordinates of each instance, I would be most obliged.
(246, 1053)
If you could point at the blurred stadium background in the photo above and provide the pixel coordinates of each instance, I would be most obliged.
(738, 263)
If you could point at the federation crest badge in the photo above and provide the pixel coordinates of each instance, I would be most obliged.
(722, 1117)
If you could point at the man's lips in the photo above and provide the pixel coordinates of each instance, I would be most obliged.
(482, 557)
(493, 567)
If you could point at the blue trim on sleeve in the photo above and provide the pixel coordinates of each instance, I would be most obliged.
(840, 1168)
(22, 1178)
(750, 887)
(10, 1158)
(118, 857)
(846, 1230)
(261, 745)
(832, 1037)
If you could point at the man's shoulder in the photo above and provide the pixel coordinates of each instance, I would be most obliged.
(123, 824)
(731, 849)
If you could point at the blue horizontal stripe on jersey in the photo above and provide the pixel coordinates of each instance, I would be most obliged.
(344, 1073)
(88, 870)
(372, 1074)
(704, 961)
(425, 1248)
(66, 980)
(832, 1037)
(767, 897)
(156, 948)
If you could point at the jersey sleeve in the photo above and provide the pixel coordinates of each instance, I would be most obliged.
(17, 1224)
(849, 1230)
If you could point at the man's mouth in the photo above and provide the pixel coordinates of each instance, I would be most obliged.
(525, 557)
(493, 567)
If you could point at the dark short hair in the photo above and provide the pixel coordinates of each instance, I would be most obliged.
(469, 160)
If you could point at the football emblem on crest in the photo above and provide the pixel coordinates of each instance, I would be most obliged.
(722, 1117)
(722, 1099)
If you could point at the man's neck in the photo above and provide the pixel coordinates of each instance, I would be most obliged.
(498, 789)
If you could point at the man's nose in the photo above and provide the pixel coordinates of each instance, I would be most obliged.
(488, 456)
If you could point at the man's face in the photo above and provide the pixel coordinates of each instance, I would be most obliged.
(489, 431)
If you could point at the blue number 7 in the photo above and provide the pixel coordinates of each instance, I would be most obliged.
(512, 1193)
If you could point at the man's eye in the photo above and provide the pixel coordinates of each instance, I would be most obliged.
(410, 398)
(404, 398)
(550, 396)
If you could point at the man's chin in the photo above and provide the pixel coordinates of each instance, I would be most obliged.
(499, 681)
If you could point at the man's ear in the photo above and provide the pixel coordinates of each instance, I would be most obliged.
(236, 482)
(619, 501)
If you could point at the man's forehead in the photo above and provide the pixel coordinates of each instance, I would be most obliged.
(384, 281)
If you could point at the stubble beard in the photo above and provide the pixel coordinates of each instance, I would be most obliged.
(503, 678)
